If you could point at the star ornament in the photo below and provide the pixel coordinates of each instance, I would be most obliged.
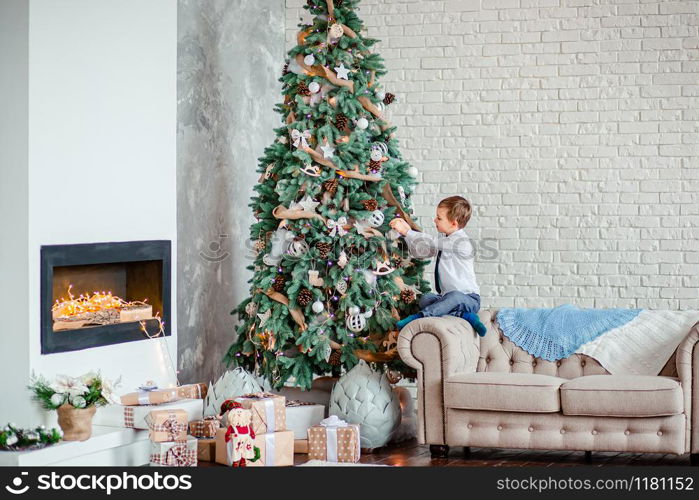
(342, 72)
(309, 204)
(328, 150)
(264, 317)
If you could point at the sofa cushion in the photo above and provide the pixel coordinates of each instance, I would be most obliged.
(525, 392)
(622, 396)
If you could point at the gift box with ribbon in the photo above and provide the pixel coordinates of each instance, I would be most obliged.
(334, 440)
(154, 396)
(268, 411)
(167, 425)
(205, 428)
(174, 454)
(135, 416)
(276, 449)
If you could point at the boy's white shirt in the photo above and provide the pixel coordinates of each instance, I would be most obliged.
(456, 271)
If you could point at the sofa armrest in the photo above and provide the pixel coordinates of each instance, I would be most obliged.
(687, 360)
(437, 347)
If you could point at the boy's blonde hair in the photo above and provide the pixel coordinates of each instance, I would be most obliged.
(458, 210)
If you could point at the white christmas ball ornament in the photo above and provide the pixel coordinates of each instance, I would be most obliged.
(314, 87)
(336, 30)
(355, 323)
(362, 123)
(309, 60)
(412, 172)
(353, 310)
(376, 218)
(381, 94)
(298, 248)
(369, 313)
(317, 307)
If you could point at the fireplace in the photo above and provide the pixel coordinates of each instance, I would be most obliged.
(100, 294)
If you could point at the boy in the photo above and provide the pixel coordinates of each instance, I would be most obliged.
(455, 281)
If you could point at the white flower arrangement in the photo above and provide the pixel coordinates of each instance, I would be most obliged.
(87, 390)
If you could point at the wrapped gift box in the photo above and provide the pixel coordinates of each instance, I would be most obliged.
(160, 396)
(205, 428)
(301, 446)
(206, 449)
(154, 397)
(334, 441)
(268, 411)
(135, 416)
(174, 454)
(301, 416)
(167, 425)
(276, 449)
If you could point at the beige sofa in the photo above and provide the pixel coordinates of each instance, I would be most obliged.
(487, 392)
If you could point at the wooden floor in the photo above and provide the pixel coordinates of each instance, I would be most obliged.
(410, 454)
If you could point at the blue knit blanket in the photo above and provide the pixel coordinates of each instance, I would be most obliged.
(554, 334)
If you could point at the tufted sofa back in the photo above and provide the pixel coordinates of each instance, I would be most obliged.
(499, 354)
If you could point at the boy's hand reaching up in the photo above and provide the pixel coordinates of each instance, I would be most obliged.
(400, 225)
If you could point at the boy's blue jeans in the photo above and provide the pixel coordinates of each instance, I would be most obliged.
(451, 303)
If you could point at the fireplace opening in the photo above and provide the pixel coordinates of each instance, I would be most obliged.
(104, 293)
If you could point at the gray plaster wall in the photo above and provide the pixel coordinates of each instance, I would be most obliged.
(230, 56)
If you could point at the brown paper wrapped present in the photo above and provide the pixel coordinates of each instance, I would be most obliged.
(174, 453)
(154, 397)
(276, 449)
(301, 446)
(206, 449)
(192, 391)
(160, 396)
(205, 428)
(268, 411)
(333, 440)
(167, 425)
(220, 451)
(281, 444)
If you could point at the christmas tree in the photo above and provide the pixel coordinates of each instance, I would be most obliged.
(330, 276)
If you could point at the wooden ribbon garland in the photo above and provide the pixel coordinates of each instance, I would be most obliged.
(281, 212)
(391, 200)
(296, 314)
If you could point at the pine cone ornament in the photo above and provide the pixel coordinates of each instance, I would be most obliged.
(407, 296)
(330, 186)
(341, 121)
(324, 249)
(335, 358)
(389, 98)
(370, 205)
(303, 89)
(398, 261)
(374, 166)
(304, 297)
(338, 3)
(279, 283)
(285, 70)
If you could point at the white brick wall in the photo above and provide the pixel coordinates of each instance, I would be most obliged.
(571, 125)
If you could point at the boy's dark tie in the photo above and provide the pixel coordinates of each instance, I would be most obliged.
(436, 273)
